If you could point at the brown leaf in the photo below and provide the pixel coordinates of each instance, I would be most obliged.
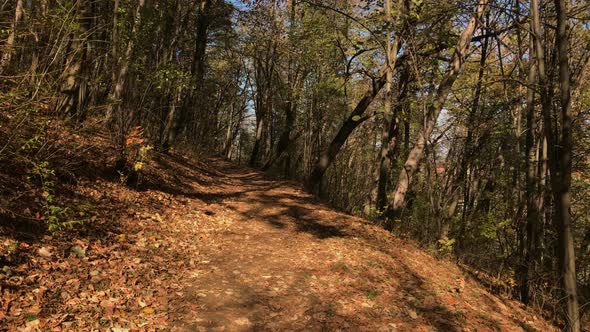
(43, 251)
(108, 306)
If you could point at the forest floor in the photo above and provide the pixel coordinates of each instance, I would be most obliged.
(210, 246)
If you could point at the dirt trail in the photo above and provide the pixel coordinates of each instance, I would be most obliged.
(209, 246)
(274, 258)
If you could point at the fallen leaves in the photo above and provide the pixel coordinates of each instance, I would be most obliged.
(243, 322)
(118, 329)
(108, 306)
(100, 284)
(78, 251)
(43, 251)
(172, 258)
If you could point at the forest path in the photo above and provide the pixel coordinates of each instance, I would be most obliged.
(271, 257)
(210, 246)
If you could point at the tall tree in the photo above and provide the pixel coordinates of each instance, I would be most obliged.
(562, 177)
(124, 61)
(532, 175)
(434, 109)
(75, 86)
(355, 118)
(390, 123)
(291, 90)
(178, 115)
(9, 46)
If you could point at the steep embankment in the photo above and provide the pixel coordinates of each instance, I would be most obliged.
(212, 246)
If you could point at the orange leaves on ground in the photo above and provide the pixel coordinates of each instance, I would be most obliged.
(135, 137)
(230, 250)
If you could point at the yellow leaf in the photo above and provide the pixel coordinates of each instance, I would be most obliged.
(148, 311)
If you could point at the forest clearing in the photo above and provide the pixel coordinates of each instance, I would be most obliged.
(294, 165)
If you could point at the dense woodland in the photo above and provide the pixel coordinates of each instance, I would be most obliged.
(463, 125)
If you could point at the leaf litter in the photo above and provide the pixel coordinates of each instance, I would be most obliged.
(209, 245)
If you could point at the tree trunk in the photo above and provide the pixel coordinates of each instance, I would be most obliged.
(350, 124)
(257, 141)
(233, 128)
(543, 196)
(119, 84)
(172, 121)
(562, 184)
(461, 182)
(228, 142)
(433, 111)
(390, 140)
(9, 46)
(263, 78)
(177, 116)
(171, 124)
(354, 120)
(115, 33)
(406, 135)
(531, 182)
(294, 85)
(390, 123)
(197, 96)
(75, 85)
(285, 139)
(114, 112)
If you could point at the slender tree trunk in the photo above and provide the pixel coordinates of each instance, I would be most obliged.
(263, 78)
(406, 135)
(115, 118)
(171, 120)
(285, 139)
(119, 84)
(206, 119)
(352, 122)
(235, 133)
(233, 128)
(9, 46)
(390, 118)
(260, 110)
(434, 109)
(532, 203)
(391, 143)
(203, 22)
(543, 196)
(115, 42)
(355, 118)
(115, 33)
(257, 141)
(562, 186)
(169, 133)
(463, 178)
(74, 88)
(295, 80)
(227, 143)
(559, 163)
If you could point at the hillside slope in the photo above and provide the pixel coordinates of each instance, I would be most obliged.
(210, 246)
